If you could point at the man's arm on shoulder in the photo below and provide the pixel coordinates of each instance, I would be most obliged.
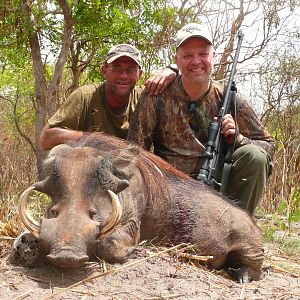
(51, 137)
(157, 84)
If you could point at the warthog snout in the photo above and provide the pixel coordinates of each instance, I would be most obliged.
(67, 259)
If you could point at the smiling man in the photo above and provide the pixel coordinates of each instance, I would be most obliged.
(105, 107)
(176, 122)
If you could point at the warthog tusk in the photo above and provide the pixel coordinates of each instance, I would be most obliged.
(30, 223)
(115, 217)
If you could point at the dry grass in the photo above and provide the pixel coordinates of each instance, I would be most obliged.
(17, 168)
(285, 179)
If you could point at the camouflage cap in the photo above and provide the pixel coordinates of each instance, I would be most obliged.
(192, 30)
(124, 50)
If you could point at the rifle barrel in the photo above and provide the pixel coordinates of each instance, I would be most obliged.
(215, 144)
(233, 68)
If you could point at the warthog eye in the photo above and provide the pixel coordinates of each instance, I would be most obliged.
(92, 212)
(53, 212)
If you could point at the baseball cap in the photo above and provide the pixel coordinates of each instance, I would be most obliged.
(192, 30)
(124, 50)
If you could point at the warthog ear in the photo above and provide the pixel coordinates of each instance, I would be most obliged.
(124, 161)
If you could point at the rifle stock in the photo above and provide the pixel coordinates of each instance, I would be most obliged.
(216, 144)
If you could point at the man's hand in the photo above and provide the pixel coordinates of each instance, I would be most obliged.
(228, 128)
(157, 83)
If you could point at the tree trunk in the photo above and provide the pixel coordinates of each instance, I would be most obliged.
(46, 93)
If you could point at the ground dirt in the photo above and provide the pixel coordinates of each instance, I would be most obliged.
(163, 276)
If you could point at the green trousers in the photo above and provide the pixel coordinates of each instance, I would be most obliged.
(248, 175)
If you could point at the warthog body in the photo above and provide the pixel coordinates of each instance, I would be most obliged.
(157, 201)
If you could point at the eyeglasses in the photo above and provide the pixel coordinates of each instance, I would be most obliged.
(129, 71)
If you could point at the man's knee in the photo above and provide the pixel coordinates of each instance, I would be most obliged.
(253, 158)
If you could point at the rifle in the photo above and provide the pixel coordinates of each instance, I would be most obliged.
(216, 144)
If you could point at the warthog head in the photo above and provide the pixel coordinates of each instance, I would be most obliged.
(85, 209)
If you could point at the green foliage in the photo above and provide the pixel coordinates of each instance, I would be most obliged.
(268, 233)
(291, 211)
(98, 25)
(40, 203)
(17, 91)
(291, 246)
(277, 235)
(16, 76)
(281, 230)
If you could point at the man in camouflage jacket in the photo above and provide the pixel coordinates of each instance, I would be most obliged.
(179, 135)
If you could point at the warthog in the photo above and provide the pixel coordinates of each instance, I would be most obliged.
(108, 195)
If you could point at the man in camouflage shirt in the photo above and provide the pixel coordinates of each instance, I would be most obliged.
(107, 106)
(179, 135)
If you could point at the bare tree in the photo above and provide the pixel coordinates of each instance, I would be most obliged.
(263, 22)
(280, 87)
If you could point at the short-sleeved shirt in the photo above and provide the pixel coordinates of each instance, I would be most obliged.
(179, 135)
(86, 109)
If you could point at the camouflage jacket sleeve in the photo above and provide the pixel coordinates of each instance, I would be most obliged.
(143, 122)
(251, 130)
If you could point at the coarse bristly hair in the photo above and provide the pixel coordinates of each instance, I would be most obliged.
(106, 143)
(154, 169)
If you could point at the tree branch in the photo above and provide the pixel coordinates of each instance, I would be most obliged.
(62, 58)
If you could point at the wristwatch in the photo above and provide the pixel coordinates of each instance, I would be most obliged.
(174, 68)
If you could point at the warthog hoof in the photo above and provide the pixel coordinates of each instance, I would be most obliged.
(244, 274)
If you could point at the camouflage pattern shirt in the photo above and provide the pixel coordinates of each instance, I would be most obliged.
(86, 109)
(179, 135)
